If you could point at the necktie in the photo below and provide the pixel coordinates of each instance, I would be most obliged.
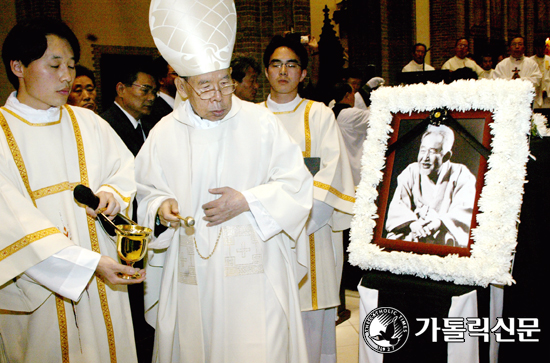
(139, 133)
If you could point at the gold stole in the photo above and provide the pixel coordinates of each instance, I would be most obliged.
(307, 154)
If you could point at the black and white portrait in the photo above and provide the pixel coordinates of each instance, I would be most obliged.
(432, 196)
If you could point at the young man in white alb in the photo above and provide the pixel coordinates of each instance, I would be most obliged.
(313, 126)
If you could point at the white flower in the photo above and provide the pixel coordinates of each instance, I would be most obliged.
(494, 239)
(540, 125)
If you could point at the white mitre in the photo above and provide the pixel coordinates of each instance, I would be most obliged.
(194, 37)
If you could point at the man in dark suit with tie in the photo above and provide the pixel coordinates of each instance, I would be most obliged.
(164, 104)
(136, 92)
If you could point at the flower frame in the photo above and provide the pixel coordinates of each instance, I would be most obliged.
(495, 233)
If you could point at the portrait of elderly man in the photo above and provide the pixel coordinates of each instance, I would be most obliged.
(434, 198)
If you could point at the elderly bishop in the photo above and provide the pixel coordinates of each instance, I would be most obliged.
(227, 287)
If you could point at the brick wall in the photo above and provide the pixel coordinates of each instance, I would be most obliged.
(452, 19)
(34, 8)
(444, 30)
(259, 20)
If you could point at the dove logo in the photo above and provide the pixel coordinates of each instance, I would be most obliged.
(385, 330)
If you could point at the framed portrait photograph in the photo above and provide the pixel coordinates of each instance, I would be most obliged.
(431, 184)
(442, 178)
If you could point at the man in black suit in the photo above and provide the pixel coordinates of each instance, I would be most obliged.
(136, 92)
(164, 104)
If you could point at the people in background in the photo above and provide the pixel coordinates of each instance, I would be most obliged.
(136, 91)
(461, 60)
(487, 65)
(517, 65)
(166, 96)
(417, 64)
(353, 124)
(543, 61)
(245, 71)
(83, 93)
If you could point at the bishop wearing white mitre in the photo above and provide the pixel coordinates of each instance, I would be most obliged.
(226, 288)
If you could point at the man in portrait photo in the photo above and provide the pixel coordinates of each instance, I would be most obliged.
(434, 198)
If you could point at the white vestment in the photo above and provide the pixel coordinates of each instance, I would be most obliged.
(353, 124)
(312, 125)
(544, 67)
(455, 63)
(527, 69)
(242, 303)
(412, 66)
(359, 101)
(43, 155)
(490, 74)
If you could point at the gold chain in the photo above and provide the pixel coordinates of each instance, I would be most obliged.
(211, 253)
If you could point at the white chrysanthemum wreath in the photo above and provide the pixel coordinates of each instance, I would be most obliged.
(495, 237)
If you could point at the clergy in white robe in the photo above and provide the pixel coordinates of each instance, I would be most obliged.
(360, 102)
(412, 66)
(52, 306)
(517, 65)
(417, 64)
(313, 126)
(228, 292)
(544, 67)
(455, 63)
(434, 198)
(488, 74)
(353, 123)
(60, 293)
(522, 67)
(461, 60)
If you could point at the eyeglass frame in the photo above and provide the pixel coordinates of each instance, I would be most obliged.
(146, 89)
(212, 90)
(291, 64)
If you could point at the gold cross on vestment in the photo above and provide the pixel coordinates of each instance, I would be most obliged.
(516, 73)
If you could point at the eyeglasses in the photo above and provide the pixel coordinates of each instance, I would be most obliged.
(208, 93)
(146, 89)
(288, 65)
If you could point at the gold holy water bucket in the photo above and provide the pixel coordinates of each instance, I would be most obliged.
(132, 241)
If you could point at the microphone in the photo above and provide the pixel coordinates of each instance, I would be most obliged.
(84, 195)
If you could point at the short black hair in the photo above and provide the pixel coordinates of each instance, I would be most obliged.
(419, 45)
(515, 36)
(340, 91)
(27, 42)
(129, 74)
(459, 39)
(291, 41)
(240, 64)
(159, 67)
(83, 71)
